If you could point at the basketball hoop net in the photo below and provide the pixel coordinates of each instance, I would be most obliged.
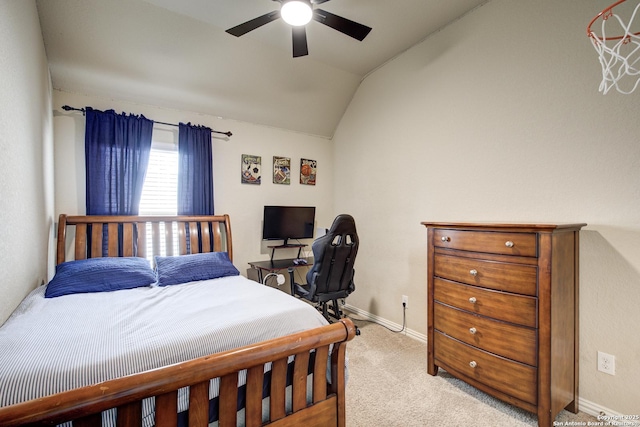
(619, 54)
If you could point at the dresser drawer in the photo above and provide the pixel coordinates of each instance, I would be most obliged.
(504, 339)
(521, 244)
(516, 278)
(503, 306)
(513, 378)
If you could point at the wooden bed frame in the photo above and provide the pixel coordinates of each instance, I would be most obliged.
(128, 236)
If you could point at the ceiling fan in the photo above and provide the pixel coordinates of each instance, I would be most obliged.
(298, 13)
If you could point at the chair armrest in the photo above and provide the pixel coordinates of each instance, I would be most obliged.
(312, 285)
(352, 284)
(292, 282)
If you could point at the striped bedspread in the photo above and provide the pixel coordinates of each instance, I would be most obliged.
(57, 344)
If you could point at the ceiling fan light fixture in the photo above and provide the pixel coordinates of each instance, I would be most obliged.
(296, 12)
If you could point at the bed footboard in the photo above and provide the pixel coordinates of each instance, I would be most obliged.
(85, 405)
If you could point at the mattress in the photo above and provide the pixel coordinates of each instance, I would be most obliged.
(50, 345)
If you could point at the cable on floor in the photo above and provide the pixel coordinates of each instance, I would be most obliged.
(404, 320)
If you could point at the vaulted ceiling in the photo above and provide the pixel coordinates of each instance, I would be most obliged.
(176, 54)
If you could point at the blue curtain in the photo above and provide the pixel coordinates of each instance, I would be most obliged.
(117, 148)
(195, 170)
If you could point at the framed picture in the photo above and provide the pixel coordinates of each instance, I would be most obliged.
(281, 170)
(308, 171)
(251, 169)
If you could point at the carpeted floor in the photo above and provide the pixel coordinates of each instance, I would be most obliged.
(389, 386)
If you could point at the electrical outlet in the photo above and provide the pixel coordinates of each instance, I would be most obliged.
(405, 301)
(606, 363)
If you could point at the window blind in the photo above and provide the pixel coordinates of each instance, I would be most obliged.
(160, 191)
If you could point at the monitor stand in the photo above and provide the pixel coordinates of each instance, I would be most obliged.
(287, 245)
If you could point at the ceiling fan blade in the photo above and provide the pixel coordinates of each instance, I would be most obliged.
(299, 37)
(344, 25)
(251, 25)
(319, 1)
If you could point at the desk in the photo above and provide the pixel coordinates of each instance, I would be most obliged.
(276, 265)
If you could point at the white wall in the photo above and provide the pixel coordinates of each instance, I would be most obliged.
(498, 118)
(495, 118)
(26, 163)
(243, 202)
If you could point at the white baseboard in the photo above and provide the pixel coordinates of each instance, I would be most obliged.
(584, 405)
(384, 322)
(595, 409)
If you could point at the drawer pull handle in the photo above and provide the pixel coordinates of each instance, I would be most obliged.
(509, 244)
(473, 331)
(473, 364)
(472, 300)
(445, 238)
(473, 272)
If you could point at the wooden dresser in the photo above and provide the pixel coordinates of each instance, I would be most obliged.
(503, 311)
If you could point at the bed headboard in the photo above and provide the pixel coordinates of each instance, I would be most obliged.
(84, 237)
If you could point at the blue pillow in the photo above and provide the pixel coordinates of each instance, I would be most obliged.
(100, 275)
(173, 270)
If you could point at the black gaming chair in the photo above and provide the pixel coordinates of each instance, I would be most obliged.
(331, 276)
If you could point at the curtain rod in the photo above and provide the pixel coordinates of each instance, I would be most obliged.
(68, 108)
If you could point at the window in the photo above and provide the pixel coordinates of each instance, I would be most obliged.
(160, 191)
